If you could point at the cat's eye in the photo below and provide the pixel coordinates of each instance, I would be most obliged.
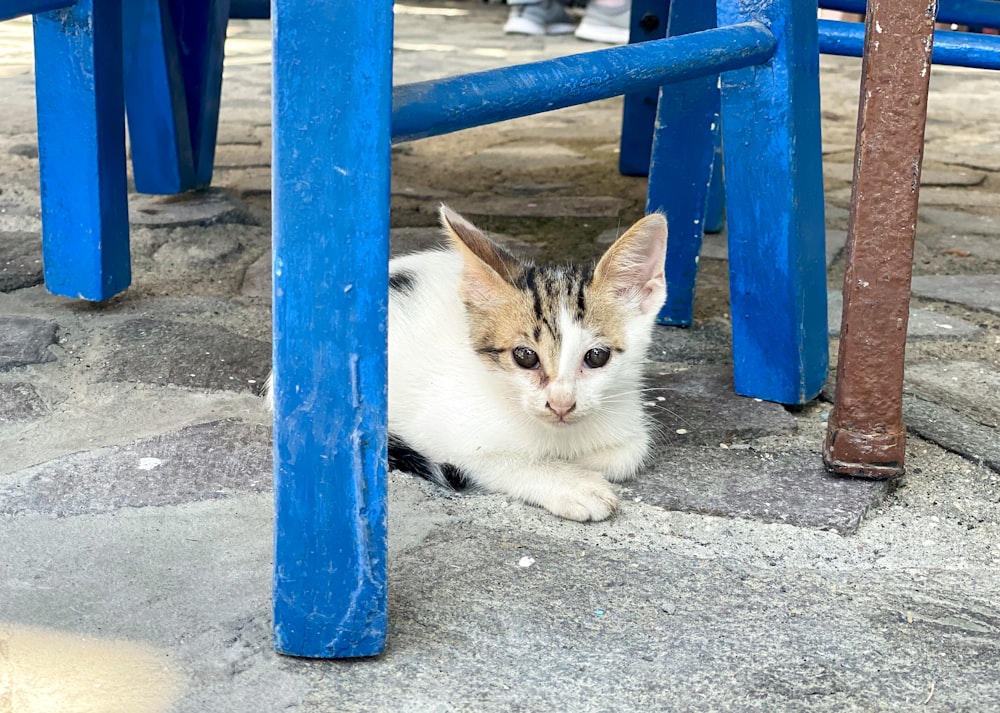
(525, 358)
(597, 357)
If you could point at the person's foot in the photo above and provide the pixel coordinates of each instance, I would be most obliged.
(547, 17)
(605, 24)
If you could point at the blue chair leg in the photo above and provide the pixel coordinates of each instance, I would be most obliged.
(715, 212)
(774, 200)
(649, 22)
(684, 149)
(331, 113)
(173, 83)
(81, 146)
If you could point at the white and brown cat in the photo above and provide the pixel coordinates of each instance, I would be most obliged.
(523, 379)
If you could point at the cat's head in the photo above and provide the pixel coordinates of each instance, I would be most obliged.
(568, 341)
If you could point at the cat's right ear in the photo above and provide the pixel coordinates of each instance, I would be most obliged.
(488, 269)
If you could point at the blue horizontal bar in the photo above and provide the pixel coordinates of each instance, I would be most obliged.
(437, 107)
(10, 9)
(977, 13)
(958, 49)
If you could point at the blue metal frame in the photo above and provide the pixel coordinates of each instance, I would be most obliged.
(977, 13)
(957, 49)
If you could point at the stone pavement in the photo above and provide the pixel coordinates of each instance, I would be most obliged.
(135, 509)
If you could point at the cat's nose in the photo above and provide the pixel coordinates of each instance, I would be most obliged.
(560, 409)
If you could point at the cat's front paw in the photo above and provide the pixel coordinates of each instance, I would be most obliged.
(588, 498)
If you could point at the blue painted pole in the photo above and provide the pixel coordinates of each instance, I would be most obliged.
(331, 113)
(958, 49)
(10, 9)
(81, 149)
(684, 145)
(649, 20)
(774, 201)
(437, 107)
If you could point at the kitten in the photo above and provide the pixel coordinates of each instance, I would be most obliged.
(523, 379)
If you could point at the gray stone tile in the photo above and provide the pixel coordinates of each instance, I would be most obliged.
(716, 245)
(698, 344)
(257, 278)
(981, 247)
(540, 155)
(952, 429)
(541, 206)
(25, 340)
(922, 322)
(698, 406)
(198, 251)
(928, 177)
(409, 240)
(206, 207)
(958, 221)
(975, 291)
(203, 462)
(964, 386)
(791, 488)
(201, 356)
(20, 260)
(19, 402)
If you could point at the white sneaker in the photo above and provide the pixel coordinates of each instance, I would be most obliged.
(547, 17)
(600, 24)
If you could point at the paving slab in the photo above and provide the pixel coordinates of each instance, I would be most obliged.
(953, 429)
(697, 405)
(201, 356)
(958, 222)
(541, 206)
(960, 245)
(922, 323)
(20, 260)
(975, 291)
(207, 461)
(928, 177)
(25, 340)
(965, 386)
(792, 488)
(19, 402)
(210, 206)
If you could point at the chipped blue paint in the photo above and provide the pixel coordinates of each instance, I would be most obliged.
(978, 13)
(680, 172)
(774, 203)
(331, 232)
(81, 149)
(649, 21)
(436, 107)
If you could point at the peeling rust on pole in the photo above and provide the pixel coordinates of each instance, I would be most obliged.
(866, 436)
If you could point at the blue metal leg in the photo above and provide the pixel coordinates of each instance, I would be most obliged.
(173, 74)
(684, 147)
(81, 146)
(649, 22)
(774, 199)
(332, 103)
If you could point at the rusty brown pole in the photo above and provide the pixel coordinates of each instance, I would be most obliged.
(865, 435)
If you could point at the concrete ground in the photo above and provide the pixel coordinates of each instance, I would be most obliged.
(135, 505)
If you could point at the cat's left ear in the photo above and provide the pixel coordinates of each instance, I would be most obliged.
(468, 238)
(633, 266)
